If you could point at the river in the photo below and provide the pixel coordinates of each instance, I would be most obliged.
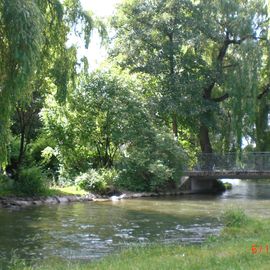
(86, 231)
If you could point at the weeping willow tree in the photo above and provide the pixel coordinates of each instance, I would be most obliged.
(205, 59)
(245, 113)
(33, 53)
(242, 86)
(233, 30)
(21, 31)
(262, 135)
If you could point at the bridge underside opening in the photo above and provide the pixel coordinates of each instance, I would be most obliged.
(202, 186)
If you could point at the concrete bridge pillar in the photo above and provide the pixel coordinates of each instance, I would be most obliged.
(202, 185)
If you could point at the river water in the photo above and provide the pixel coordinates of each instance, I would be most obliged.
(86, 231)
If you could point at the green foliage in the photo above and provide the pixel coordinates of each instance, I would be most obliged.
(101, 106)
(6, 184)
(153, 162)
(21, 31)
(14, 146)
(98, 181)
(235, 218)
(219, 186)
(31, 181)
(228, 186)
(34, 56)
(3, 179)
(161, 174)
(91, 181)
(196, 66)
(42, 153)
(159, 50)
(123, 133)
(195, 55)
(110, 177)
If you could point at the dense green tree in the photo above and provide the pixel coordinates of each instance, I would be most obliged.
(197, 68)
(105, 123)
(92, 126)
(153, 39)
(262, 135)
(204, 57)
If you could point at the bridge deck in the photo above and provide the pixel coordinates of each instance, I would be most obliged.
(247, 174)
(248, 165)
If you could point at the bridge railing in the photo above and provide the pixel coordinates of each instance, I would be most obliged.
(256, 161)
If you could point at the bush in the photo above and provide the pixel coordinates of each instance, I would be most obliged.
(3, 179)
(99, 181)
(161, 173)
(228, 186)
(30, 181)
(235, 218)
(43, 153)
(6, 184)
(153, 162)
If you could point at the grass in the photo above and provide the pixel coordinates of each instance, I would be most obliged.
(7, 188)
(63, 191)
(232, 250)
(6, 191)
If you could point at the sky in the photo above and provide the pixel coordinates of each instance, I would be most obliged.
(101, 8)
(95, 53)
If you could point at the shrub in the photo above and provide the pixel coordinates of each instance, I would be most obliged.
(43, 152)
(153, 161)
(235, 218)
(99, 181)
(6, 185)
(228, 186)
(3, 179)
(161, 173)
(109, 176)
(30, 181)
(219, 186)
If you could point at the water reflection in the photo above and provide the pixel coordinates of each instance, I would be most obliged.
(91, 230)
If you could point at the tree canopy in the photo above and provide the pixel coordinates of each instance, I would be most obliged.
(34, 53)
(182, 77)
(204, 56)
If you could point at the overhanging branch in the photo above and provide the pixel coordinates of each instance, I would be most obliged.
(264, 92)
(221, 98)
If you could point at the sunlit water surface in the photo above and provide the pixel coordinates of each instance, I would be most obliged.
(86, 231)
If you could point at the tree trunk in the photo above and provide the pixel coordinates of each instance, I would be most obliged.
(175, 125)
(22, 146)
(205, 143)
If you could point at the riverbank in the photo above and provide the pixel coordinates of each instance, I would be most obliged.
(10, 198)
(231, 250)
(56, 196)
